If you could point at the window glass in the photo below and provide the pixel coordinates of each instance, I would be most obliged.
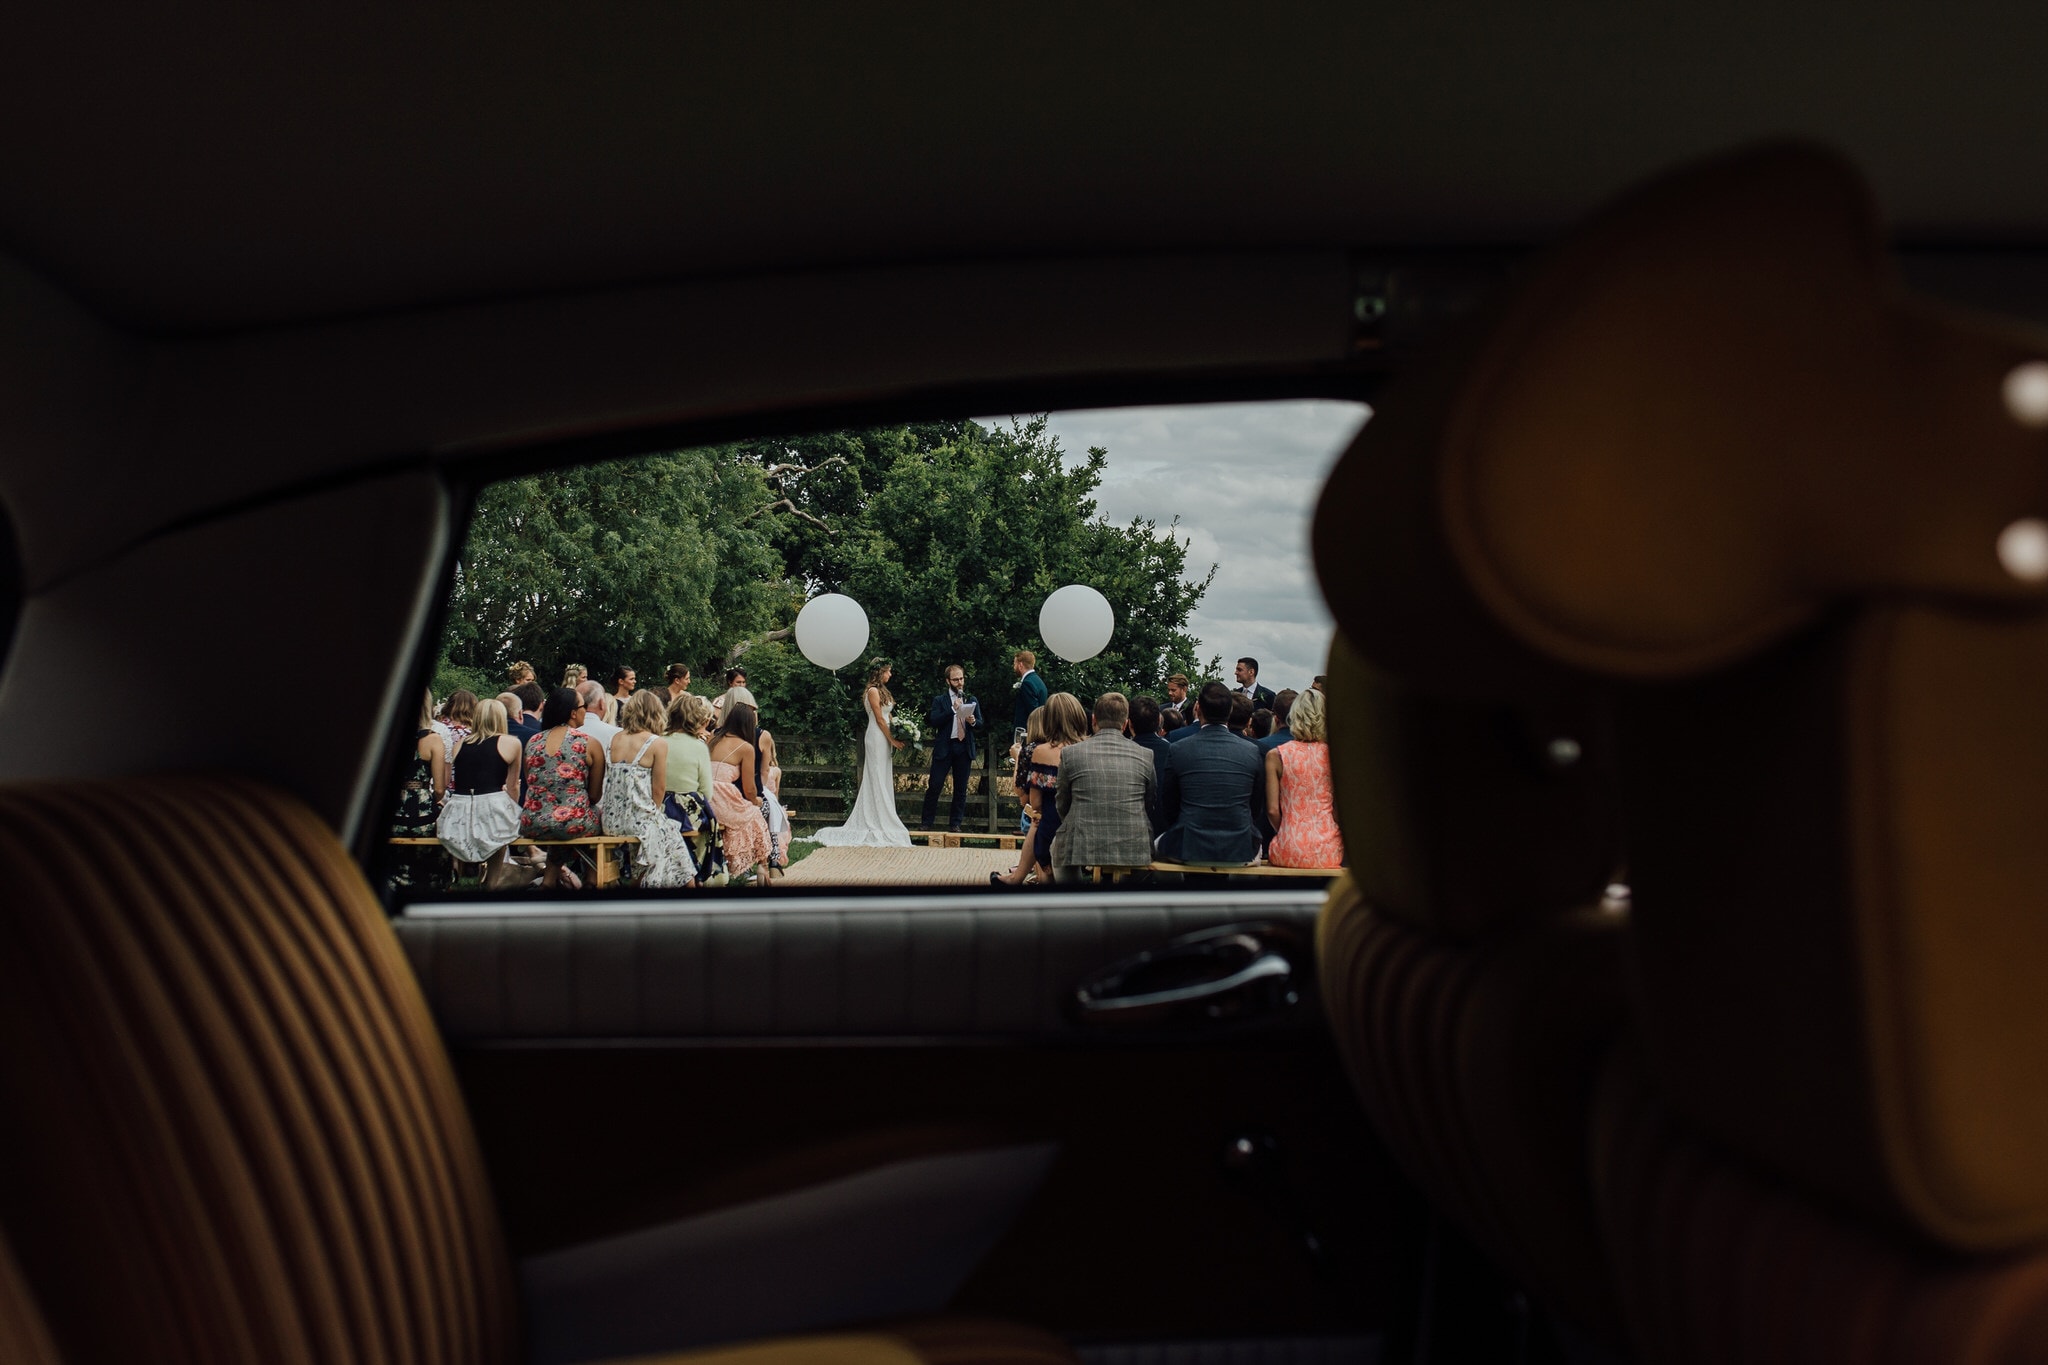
(813, 661)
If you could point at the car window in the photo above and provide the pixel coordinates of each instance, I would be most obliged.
(892, 656)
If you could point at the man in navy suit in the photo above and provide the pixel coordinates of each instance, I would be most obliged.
(952, 725)
(1214, 782)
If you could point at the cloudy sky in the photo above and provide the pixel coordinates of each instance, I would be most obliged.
(1242, 478)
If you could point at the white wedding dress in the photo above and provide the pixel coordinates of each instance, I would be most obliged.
(874, 822)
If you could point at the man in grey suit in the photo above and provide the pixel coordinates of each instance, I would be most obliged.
(1213, 784)
(1107, 792)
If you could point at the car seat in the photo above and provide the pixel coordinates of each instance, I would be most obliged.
(1708, 451)
(233, 1134)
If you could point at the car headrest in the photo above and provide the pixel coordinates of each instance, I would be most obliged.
(1465, 813)
(1692, 425)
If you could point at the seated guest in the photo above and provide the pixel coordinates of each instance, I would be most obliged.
(1214, 784)
(564, 779)
(1241, 708)
(736, 793)
(1283, 706)
(1148, 727)
(770, 769)
(458, 714)
(1108, 792)
(517, 724)
(1260, 725)
(1171, 720)
(531, 699)
(689, 776)
(1298, 793)
(594, 723)
(419, 808)
(636, 785)
(480, 818)
(1035, 782)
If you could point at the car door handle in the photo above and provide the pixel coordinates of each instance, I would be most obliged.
(1235, 973)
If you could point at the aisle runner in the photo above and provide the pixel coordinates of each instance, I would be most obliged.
(900, 866)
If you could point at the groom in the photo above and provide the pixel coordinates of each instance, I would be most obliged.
(952, 725)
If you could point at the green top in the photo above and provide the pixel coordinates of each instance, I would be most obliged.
(689, 764)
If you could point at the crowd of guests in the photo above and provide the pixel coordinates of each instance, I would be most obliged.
(694, 781)
(1231, 777)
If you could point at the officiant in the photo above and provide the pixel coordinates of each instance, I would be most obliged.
(954, 728)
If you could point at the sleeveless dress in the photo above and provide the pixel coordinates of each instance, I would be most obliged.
(1308, 835)
(480, 816)
(558, 789)
(743, 830)
(874, 822)
(627, 807)
(416, 867)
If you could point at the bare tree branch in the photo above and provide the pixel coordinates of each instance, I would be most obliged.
(785, 505)
(776, 471)
(732, 655)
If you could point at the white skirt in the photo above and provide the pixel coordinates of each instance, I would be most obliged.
(474, 827)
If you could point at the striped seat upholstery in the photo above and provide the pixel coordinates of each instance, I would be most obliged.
(1718, 1262)
(1477, 1067)
(233, 1136)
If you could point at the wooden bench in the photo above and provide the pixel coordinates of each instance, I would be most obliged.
(1009, 843)
(600, 845)
(1216, 870)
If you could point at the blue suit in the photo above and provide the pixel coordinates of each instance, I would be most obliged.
(950, 758)
(1214, 783)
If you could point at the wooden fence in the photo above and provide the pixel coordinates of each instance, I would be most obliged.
(812, 795)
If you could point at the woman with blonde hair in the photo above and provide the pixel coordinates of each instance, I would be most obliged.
(688, 803)
(480, 818)
(636, 784)
(1064, 722)
(1298, 796)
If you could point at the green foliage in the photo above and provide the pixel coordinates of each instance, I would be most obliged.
(650, 561)
(949, 534)
(450, 678)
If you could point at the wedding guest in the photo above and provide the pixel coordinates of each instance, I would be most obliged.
(735, 694)
(1298, 796)
(574, 674)
(1260, 725)
(635, 790)
(522, 727)
(1283, 707)
(419, 807)
(564, 779)
(1147, 726)
(516, 723)
(1240, 721)
(1032, 795)
(1107, 796)
(622, 687)
(594, 723)
(769, 769)
(689, 775)
(1064, 724)
(1171, 721)
(458, 713)
(481, 816)
(520, 672)
(531, 699)
(678, 681)
(1214, 782)
(736, 792)
(1248, 683)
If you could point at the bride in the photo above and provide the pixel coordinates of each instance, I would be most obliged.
(874, 822)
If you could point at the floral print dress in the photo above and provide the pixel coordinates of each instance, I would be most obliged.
(557, 804)
(1308, 835)
(419, 810)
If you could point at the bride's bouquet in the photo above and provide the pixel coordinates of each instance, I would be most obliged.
(906, 731)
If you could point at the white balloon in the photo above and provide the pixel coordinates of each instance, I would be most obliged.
(832, 630)
(1076, 622)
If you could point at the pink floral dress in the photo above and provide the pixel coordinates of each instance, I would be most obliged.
(1308, 835)
(557, 804)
